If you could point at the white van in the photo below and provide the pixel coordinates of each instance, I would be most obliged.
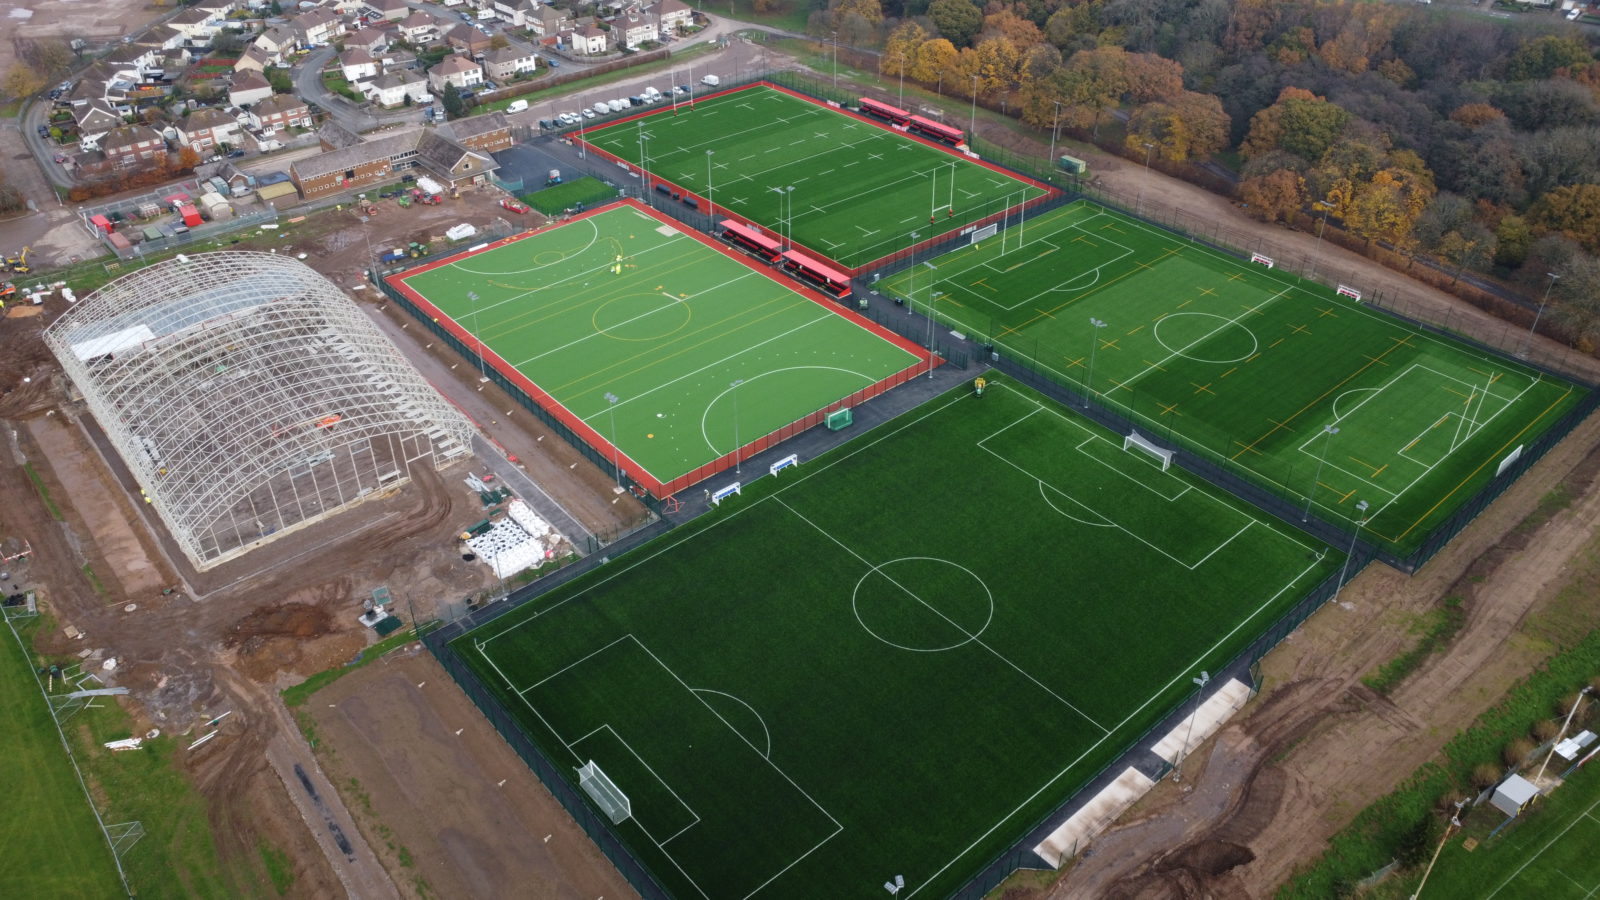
(603, 108)
(711, 80)
(517, 106)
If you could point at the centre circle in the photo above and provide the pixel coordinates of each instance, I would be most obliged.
(640, 317)
(1178, 332)
(923, 604)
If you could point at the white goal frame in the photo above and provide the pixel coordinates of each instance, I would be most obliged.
(1137, 441)
(606, 795)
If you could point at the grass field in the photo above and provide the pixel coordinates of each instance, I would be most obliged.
(50, 844)
(1251, 364)
(1549, 855)
(554, 200)
(667, 334)
(860, 190)
(898, 658)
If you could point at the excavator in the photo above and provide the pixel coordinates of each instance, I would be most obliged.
(18, 263)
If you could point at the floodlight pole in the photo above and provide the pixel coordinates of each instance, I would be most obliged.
(711, 208)
(735, 389)
(1575, 704)
(1094, 343)
(1055, 131)
(972, 124)
(788, 194)
(1528, 345)
(927, 308)
(1177, 769)
(1355, 535)
(913, 291)
(644, 172)
(616, 464)
(835, 40)
(902, 56)
(482, 375)
(1330, 431)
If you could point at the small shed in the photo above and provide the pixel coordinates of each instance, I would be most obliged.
(1513, 795)
(1572, 746)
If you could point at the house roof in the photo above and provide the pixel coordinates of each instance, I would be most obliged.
(455, 63)
(127, 136)
(338, 136)
(313, 19)
(507, 55)
(280, 103)
(466, 34)
(418, 20)
(355, 56)
(473, 126)
(671, 6)
(209, 117)
(97, 115)
(366, 37)
(255, 55)
(278, 35)
(591, 30)
(128, 54)
(386, 5)
(192, 16)
(248, 80)
(392, 144)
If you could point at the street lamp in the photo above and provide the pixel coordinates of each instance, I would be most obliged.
(1528, 345)
(482, 375)
(1330, 431)
(1147, 148)
(1575, 704)
(1326, 208)
(1203, 679)
(735, 389)
(1355, 534)
(1094, 343)
(611, 400)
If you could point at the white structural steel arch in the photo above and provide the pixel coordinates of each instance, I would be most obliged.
(249, 396)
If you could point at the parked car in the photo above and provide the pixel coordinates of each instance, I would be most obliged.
(588, 113)
(61, 157)
(515, 206)
(235, 154)
(681, 89)
(44, 131)
(553, 62)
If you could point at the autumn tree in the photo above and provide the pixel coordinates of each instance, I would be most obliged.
(1573, 211)
(1300, 122)
(1072, 27)
(1470, 247)
(1540, 57)
(1188, 126)
(869, 10)
(1008, 23)
(957, 20)
(1001, 66)
(20, 81)
(1090, 83)
(1151, 77)
(936, 60)
(1274, 197)
(1386, 208)
(900, 50)
(1576, 301)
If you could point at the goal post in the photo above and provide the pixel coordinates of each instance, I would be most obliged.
(606, 795)
(1137, 441)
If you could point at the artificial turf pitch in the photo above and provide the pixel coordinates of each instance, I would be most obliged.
(1249, 364)
(622, 302)
(898, 658)
(861, 191)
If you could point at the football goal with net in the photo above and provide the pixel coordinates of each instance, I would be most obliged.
(1137, 441)
(606, 795)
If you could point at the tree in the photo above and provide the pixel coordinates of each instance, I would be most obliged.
(188, 158)
(1151, 77)
(20, 81)
(1576, 300)
(1073, 27)
(936, 59)
(1387, 207)
(1090, 83)
(11, 199)
(957, 20)
(499, 42)
(1191, 125)
(280, 80)
(1469, 248)
(277, 8)
(900, 50)
(1512, 237)
(1539, 58)
(1274, 197)
(226, 41)
(1300, 122)
(1001, 66)
(1006, 23)
(1573, 211)
(454, 106)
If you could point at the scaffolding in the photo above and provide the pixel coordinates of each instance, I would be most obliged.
(249, 397)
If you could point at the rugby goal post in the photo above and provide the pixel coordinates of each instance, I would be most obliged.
(611, 800)
(1137, 441)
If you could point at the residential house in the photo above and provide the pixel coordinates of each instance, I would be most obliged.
(671, 15)
(248, 87)
(368, 39)
(205, 130)
(280, 112)
(254, 59)
(549, 21)
(130, 61)
(197, 25)
(485, 134)
(419, 29)
(512, 12)
(455, 69)
(465, 38)
(390, 59)
(219, 9)
(319, 26)
(509, 62)
(587, 39)
(633, 28)
(395, 85)
(358, 65)
(390, 10)
(133, 147)
(350, 166)
(95, 119)
(275, 41)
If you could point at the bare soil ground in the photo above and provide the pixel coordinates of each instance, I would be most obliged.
(198, 643)
(424, 771)
(96, 23)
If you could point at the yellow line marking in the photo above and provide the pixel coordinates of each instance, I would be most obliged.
(1328, 312)
(1073, 362)
(1273, 344)
(1229, 372)
(1299, 329)
(1135, 331)
(1203, 389)
(1319, 399)
(1206, 291)
(1185, 303)
(1152, 365)
(1170, 409)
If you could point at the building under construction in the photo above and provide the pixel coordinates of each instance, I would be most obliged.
(249, 397)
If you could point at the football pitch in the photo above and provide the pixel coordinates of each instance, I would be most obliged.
(1549, 855)
(1329, 403)
(849, 190)
(896, 659)
(656, 342)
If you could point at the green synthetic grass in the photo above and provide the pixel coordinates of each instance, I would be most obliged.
(1248, 365)
(1548, 855)
(860, 190)
(553, 200)
(898, 658)
(52, 844)
(668, 336)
